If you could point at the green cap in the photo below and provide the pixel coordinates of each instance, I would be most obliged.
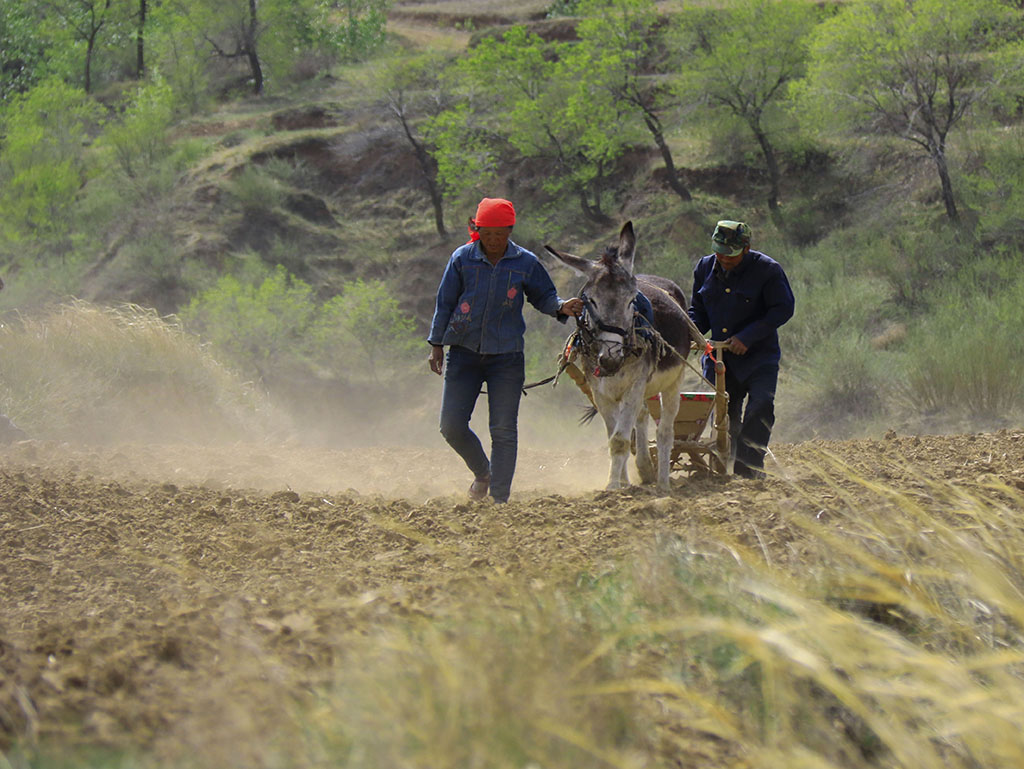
(730, 238)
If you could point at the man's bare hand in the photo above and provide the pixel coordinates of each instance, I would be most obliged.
(736, 346)
(436, 359)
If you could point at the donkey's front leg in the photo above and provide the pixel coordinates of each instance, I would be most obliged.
(618, 449)
(620, 420)
(644, 465)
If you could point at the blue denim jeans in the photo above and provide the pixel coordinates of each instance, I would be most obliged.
(464, 374)
(751, 428)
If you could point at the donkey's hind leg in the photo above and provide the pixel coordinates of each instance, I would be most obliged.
(666, 436)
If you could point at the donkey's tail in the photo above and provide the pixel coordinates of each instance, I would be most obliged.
(588, 414)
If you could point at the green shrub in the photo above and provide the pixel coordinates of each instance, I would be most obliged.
(138, 140)
(967, 355)
(256, 190)
(272, 324)
(844, 381)
(44, 161)
(259, 326)
(995, 190)
(364, 330)
(824, 307)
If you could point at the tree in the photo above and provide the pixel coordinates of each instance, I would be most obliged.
(526, 98)
(269, 36)
(617, 51)
(140, 40)
(138, 139)
(361, 28)
(913, 70)
(743, 62)
(240, 37)
(83, 21)
(414, 91)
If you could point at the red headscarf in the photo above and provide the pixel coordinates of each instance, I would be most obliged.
(492, 212)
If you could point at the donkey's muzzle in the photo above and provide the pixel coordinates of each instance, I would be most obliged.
(609, 364)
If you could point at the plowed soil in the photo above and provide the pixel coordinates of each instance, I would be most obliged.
(158, 596)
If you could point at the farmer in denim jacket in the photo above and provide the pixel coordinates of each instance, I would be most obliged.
(479, 316)
(742, 297)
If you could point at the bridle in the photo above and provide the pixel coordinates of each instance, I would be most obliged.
(587, 336)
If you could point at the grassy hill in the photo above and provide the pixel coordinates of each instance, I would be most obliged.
(318, 179)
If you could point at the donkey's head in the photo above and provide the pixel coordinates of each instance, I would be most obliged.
(608, 298)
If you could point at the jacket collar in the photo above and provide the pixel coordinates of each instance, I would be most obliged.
(478, 252)
(739, 269)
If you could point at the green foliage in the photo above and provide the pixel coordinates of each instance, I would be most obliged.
(22, 62)
(270, 44)
(262, 327)
(534, 102)
(361, 29)
(274, 324)
(909, 70)
(743, 64)
(743, 58)
(44, 160)
(87, 40)
(364, 330)
(563, 8)
(463, 148)
(845, 380)
(139, 139)
(914, 259)
(611, 66)
(847, 301)
(875, 62)
(256, 190)
(994, 188)
(180, 56)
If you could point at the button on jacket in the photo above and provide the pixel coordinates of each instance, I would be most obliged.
(480, 305)
(749, 302)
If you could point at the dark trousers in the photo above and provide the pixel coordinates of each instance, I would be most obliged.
(750, 428)
(464, 375)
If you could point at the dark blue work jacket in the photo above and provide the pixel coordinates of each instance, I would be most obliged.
(749, 302)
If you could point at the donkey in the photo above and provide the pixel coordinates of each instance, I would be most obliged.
(627, 361)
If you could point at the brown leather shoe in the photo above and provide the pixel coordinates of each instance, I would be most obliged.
(478, 489)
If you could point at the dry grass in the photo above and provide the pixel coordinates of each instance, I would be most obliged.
(873, 626)
(95, 374)
(889, 636)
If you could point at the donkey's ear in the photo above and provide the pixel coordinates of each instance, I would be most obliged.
(627, 245)
(582, 266)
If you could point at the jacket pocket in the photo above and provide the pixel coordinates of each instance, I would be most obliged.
(514, 289)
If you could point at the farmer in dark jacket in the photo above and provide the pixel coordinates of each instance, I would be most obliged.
(479, 317)
(742, 297)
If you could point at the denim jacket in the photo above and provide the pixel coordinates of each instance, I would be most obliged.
(480, 306)
(749, 302)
